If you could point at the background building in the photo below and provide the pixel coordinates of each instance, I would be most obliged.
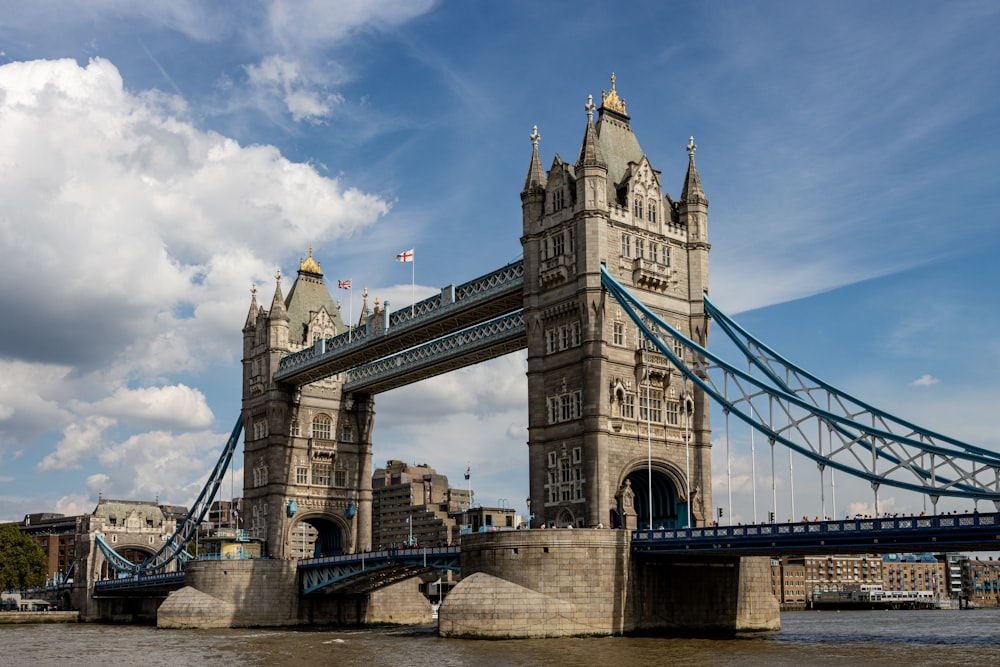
(414, 505)
(914, 572)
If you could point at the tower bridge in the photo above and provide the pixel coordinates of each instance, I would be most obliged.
(609, 302)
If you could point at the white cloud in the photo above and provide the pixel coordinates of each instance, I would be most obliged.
(178, 406)
(133, 238)
(925, 381)
(282, 77)
(81, 440)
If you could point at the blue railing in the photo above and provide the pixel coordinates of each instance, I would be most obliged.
(161, 579)
(970, 531)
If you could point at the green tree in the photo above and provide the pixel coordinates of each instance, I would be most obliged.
(22, 561)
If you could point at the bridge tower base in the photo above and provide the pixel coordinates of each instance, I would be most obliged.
(557, 583)
(265, 593)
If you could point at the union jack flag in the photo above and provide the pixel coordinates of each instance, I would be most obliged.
(344, 284)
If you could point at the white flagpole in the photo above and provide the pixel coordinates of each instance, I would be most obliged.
(413, 282)
(350, 308)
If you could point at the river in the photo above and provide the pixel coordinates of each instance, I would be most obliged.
(885, 638)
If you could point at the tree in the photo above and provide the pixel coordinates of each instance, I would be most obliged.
(22, 561)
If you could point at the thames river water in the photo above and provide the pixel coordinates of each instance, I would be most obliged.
(936, 637)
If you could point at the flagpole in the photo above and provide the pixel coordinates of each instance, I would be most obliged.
(413, 283)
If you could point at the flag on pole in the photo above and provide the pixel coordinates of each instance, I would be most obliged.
(405, 256)
(468, 472)
(344, 284)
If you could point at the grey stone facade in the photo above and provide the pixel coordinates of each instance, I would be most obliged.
(307, 451)
(594, 418)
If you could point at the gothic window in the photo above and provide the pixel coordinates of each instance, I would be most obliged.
(558, 245)
(340, 475)
(637, 208)
(651, 210)
(321, 426)
(666, 256)
(563, 337)
(626, 245)
(673, 407)
(565, 407)
(572, 240)
(640, 248)
(618, 333)
(545, 248)
(575, 327)
(558, 199)
(650, 406)
(321, 474)
(577, 455)
(552, 459)
(628, 407)
(564, 470)
(301, 475)
(654, 253)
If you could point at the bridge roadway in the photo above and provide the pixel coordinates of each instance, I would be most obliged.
(361, 572)
(946, 532)
(467, 314)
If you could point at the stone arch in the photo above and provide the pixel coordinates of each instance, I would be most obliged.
(315, 534)
(669, 493)
(565, 518)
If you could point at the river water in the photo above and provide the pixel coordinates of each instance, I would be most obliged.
(933, 637)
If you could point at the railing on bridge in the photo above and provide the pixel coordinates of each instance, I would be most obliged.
(457, 307)
(162, 580)
(373, 569)
(869, 535)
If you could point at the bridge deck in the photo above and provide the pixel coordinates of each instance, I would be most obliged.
(457, 307)
(885, 535)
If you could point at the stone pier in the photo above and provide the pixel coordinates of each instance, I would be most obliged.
(554, 583)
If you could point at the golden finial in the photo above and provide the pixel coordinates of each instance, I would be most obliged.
(611, 100)
(310, 265)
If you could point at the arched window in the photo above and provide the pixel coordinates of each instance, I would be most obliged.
(321, 426)
(651, 210)
(637, 208)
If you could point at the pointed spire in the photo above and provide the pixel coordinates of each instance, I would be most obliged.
(692, 192)
(310, 265)
(590, 151)
(278, 310)
(365, 313)
(254, 308)
(536, 175)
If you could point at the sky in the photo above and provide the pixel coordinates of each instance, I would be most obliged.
(158, 159)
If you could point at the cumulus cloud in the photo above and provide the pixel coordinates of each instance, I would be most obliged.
(282, 77)
(130, 239)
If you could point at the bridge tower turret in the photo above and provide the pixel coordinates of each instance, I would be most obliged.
(616, 436)
(307, 449)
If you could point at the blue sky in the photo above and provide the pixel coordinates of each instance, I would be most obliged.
(159, 158)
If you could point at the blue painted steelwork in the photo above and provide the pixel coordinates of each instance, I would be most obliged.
(162, 580)
(374, 569)
(479, 343)
(862, 535)
(907, 462)
(456, 307)
(174, 546)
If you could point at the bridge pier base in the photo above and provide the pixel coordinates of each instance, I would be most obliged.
(555, 583)
(265, 593)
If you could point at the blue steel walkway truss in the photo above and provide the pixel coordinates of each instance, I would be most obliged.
(357, 573)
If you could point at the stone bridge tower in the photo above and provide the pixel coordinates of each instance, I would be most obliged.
(307, 449)
(600, 405)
